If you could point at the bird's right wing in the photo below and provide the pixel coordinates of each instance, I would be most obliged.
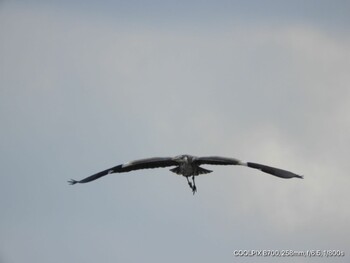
(130, 166)
(155, 162)
(115, 169)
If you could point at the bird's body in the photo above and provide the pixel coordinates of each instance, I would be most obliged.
(187, 166)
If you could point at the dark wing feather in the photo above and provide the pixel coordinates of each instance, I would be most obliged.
(130, 166)
(155, 162)
(274, 171)
(115, 169)
(216, 160)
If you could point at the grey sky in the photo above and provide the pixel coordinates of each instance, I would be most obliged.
(84, 87)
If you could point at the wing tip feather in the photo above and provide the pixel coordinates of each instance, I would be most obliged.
(72, 182)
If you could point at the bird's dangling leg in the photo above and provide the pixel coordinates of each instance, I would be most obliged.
(189, 183)
(194, 188)
(192, 185)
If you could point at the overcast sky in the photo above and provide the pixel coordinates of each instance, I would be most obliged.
(87, 85)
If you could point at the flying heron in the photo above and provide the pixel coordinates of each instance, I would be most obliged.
(186, 165)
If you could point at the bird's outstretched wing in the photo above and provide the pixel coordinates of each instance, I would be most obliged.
(217, 160)
(116, 169)
(274, 171)
(155, 162)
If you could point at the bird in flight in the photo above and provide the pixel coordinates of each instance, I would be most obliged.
(187, 166)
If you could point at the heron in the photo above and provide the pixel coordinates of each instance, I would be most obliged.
(187, 166)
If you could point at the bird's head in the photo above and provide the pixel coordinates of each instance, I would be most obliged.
(181, 158)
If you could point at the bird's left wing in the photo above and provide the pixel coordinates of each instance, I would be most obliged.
(154, 162)
(217, 160)
(273, 170)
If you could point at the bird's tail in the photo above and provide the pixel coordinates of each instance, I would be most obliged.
(201, 170)
(198, 171)
(176, 170)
